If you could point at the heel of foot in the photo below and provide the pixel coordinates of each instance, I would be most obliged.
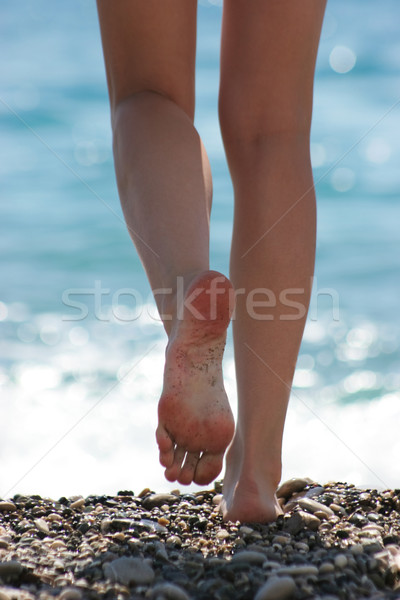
(208, 303)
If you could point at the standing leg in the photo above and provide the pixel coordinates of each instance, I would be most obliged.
(267, 70)
(165, 188)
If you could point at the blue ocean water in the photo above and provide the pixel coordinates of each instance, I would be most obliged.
(79, 396)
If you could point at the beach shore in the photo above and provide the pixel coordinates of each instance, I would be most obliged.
(334, 541)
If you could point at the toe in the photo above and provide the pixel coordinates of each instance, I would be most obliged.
(172, 472)
(208, 468)
(187, 472)
(166, 447)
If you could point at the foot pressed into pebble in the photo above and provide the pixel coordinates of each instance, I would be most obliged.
(249, 488)
(195, 419)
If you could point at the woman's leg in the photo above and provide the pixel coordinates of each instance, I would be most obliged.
(267, 70)
(165, 188)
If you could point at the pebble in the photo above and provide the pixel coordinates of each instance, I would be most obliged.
(168, 591)
(222, 534)
(277, 588)
(299, 570)
(70, 594)
(42, 526)
(129, 571)
(337, 509)
(10, 568)
(314, 492)
(245, 530)
(356, 549)
(302, 547)
(326, 568)
(248, 557)
(290, 487)
(57, 545)
(340, 561)
(80, 503)
(157, 500)
(6, 506)
(175, 540)
(312, 506)
(281, 539)
(301, 520)
(217, 499)
(4, 595)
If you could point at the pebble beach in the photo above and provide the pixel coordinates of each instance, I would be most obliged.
(333, 541)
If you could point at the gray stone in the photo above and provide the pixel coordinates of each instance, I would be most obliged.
(10, 568)
(248, 557)
(70, 593)
(313, 506)
(105, 525)
(326, 568)
(314, 492)
(157, 500)
(281, 539)
(341, 561)
(372, 546)
(299, 570)
(292, 486)
(277, 588)
(301, 520)
(244, 530)
(168, 591)
(129, 571)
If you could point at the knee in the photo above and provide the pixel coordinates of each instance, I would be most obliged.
(149, 99)
(246, 125)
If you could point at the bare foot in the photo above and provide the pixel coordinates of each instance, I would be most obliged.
(195, 420)
(248, 490)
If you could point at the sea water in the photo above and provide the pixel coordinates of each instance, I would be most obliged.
(81, 346)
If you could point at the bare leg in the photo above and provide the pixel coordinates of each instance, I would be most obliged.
(268, 58)
(165, 187)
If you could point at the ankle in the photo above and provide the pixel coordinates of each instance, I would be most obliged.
(256, 462)
(168, 303)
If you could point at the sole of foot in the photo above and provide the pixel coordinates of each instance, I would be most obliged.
(195, 419)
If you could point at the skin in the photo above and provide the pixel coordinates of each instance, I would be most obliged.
(268, 58)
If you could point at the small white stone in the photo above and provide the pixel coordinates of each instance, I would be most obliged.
(42, 526)
(222, 534)
(299, 570)
(341, 561)
(217, 499)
